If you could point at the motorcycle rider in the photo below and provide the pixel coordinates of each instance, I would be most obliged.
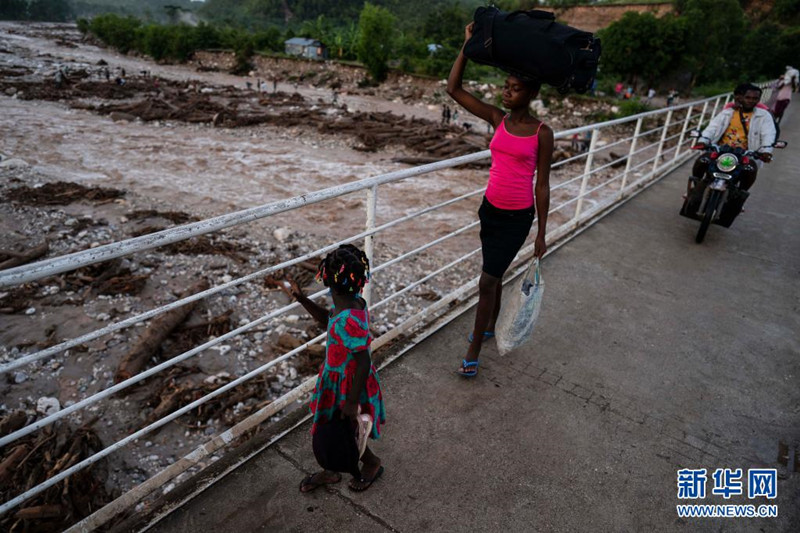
(745, 124)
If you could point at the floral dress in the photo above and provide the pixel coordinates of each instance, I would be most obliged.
(348, 333)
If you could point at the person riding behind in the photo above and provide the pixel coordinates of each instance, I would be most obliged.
(744, 125)
(794, 77)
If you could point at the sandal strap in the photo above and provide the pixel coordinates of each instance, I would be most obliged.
(468, 364)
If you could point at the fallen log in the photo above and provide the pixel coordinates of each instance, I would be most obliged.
(439, 145)
(155, 334)
(38, 512)
(415, 160)
(11, 462)
(618, 161)
(27, 256)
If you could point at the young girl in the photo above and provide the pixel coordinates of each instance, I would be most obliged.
(347, 379)
(522, 146)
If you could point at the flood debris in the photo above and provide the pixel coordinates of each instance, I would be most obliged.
(150, 341)
(178, 217)
(176, 101)
(182, 386)
(110, 278)
(204, 245)
(35, 458)
(61, 193)
(13, 258)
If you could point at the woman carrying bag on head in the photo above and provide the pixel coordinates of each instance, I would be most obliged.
(522, 150)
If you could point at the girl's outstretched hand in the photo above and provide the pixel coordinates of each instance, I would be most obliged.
(468, 31)
(291, 288)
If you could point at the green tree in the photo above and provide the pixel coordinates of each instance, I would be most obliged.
(182, 42)
(787, 11)
(344, 41)
(269, 39)
(243, 54)
(118, 32)
(155, 41)
(50, 10)
(714, 33)
(788, 49)
(759, 55)
(13, 9)
(376, 27)
(642, 47)
(320, 28)
(206, 37)
(445, 26)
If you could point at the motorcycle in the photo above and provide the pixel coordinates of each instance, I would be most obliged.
(717, 197)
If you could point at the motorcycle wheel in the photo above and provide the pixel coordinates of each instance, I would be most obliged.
(708, 216)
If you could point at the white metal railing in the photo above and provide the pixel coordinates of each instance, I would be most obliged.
(601, 191)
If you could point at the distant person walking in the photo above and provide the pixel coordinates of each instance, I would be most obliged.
(794, 77)
(783, 98)
(522, 149)
(651, 93)
(348, 381)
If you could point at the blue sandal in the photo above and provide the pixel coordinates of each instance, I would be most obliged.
(486, 336)
(465, 366)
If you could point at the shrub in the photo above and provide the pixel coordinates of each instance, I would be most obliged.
(632, 107)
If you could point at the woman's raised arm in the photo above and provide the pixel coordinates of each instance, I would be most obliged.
(477, 107)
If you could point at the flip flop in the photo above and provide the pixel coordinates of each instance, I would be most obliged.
(466, 365)
(486, 336)
(314, 486)
(368, 482)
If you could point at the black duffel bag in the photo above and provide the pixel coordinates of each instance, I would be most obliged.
(532, 45)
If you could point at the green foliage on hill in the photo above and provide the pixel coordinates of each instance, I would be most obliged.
(713, 41)
(252, 13)
(704, 41)
(177, 42)
(374, 45)
(44, 10)
(163, 11)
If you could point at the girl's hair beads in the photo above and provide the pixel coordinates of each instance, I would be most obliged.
(345, 270)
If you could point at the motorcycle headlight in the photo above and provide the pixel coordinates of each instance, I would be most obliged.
(727, 162)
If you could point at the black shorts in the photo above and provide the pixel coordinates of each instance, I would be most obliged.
(503, 232)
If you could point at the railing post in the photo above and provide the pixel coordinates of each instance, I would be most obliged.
(683, 131)
(586, 170)
(629, 162)
(702, 115)
(716, 105)
(661, 142)
(369, 240)
(727, 99)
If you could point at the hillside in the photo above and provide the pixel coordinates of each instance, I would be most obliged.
(409, 13)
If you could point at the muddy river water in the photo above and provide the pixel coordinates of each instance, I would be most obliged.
(207, 170)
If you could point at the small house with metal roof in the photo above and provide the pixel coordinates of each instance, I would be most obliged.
(308, 48)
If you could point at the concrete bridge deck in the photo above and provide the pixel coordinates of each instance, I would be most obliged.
(652, 354)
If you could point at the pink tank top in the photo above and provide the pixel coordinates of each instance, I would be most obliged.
(513, 167)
